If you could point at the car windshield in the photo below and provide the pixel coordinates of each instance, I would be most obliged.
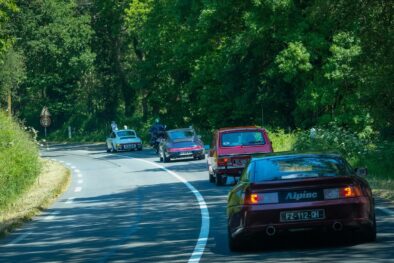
(126, 134)
(297, 167)
(242, 138)
(181, 134)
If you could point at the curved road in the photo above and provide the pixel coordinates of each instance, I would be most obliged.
(128, 207)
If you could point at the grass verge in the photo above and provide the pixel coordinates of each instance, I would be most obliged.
(52, 181)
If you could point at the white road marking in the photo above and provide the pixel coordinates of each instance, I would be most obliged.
(73, 167)
(204, 230)
(385, 210)
(78, 189)
(79, 175)
(18, 239)
(70, 200)
(80, 181)
(51, 216)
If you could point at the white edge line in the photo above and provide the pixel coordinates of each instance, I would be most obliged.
(18, 239)
(204, 231)
(385, 210)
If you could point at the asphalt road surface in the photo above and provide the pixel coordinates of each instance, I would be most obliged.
(129, 207)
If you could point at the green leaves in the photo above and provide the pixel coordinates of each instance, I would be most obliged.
(293, 60)
(344, 49)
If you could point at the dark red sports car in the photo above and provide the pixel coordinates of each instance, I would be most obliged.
(291, 192)
(181, 143)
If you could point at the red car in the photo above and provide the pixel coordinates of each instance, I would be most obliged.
(285, 193)
(232, 148)
(181, 143)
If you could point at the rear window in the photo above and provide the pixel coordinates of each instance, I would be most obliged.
(300, 167)
(242, 138)
(126, 133)
(177, 135)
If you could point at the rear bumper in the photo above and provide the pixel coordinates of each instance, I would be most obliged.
(350, 214)
(186, 154)
(128, 146)
(230, 171)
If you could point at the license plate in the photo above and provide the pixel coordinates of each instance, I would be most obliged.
(185, 153)
(240, 162)
(302, 215)
(129, 146)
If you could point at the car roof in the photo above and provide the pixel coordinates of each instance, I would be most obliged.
(238, 128)
(278, 155)
(124, 130)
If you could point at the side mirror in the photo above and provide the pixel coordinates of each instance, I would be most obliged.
(361, 171)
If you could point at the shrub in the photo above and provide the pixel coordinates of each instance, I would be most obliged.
(19, 160)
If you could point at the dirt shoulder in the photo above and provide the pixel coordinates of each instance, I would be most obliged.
(53, 180)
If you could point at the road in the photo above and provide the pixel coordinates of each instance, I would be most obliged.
(128, 207)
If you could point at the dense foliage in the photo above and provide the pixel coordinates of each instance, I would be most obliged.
(284, 63)
(19, 161)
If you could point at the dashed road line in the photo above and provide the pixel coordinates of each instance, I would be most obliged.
(385, 210)
(70, 200)
(78, 189)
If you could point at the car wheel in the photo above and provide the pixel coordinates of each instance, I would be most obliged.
(202, 157)
(161, 156)
(369, 234)
(165, 158)
(140, 149)
(211, 177)
(113, 149)
(220, 179)
(233, 243)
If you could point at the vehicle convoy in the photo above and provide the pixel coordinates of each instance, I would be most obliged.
(181, 143)
(232, 148)
(284, 193)
(123, 140)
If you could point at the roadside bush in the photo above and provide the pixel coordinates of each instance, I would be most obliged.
(282, 141)
(351, 145)
(19, 160)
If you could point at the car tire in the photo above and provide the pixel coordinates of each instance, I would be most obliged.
(234, 244)
(211, 178)
(113, 149)
(202, 157)
(369, 234)
(165, 158)
(220, 179)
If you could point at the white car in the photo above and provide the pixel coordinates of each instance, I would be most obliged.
(123, 140)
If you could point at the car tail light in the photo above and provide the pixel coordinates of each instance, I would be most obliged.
(343, 192)
(197, 147)
(223, 161)
(261, 198)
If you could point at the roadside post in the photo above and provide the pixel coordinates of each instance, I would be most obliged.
(45, 119)
(69, 132)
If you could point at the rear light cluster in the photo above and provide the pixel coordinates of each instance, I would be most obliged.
(262, 198)
(331, 193)
(223, 161)
(343, 192)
